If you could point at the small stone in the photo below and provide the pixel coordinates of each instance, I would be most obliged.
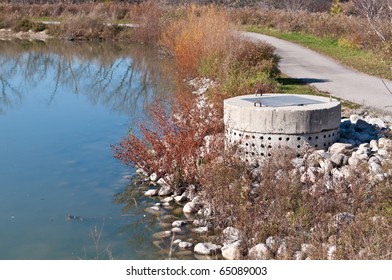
(232, 251)
(180, 198)
(176, 230)
(154, 208)
(151, 192)
(200, 230)
(207, 249)
(165, 191)
(382, 152)
(230, 235)
(308, 176)
(200, 223)
(141, 171)
(340, 148)
(342, 218)
(299, 255)
(177, 241)
(178, 223)
(337, 159)
(153, 177)
(185, 245)
(282, 252)
(307, 248)
(375, 168)
(190, 208)
(163, 183)
(331, 252)
(162, 234)
(354, 119)
(378, 122)
(259, 252)
(374, 145)
(273, 243)
(167, 199)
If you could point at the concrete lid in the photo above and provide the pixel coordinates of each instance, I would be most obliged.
(299, 102)
(282, 113)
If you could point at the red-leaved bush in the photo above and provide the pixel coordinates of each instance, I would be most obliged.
(174, 142)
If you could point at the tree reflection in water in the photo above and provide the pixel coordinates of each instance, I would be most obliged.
(119, 76)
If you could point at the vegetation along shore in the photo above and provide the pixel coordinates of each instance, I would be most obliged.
(333, 204)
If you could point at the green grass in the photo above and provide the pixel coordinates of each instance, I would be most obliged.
(297, 86)
(364, 61)
(40, 19)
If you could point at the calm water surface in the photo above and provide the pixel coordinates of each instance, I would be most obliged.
(62, 106)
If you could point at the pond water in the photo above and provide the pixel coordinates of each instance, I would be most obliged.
(62, 106)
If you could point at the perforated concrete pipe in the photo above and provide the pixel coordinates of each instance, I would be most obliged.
(259, 123)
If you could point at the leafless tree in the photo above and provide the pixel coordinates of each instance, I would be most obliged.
(379, 16)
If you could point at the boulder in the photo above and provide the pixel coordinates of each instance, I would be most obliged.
(337, 159)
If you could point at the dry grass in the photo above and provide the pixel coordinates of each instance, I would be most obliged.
(200, 39)
(352, 29)
(278, 204)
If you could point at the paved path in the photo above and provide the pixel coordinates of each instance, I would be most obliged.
(328, 75)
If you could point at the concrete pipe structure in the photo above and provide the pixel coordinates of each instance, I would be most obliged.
(258, 123)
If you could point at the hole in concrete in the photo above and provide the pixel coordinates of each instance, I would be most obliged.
(316, 137)
(261, 138)
(247, 144)
(253, 154)
(325, 136)
(299, 146)
(329, 135)
(310, 138)
(269, 146)
(298, 138)
(253, 137)
(262, 154)
(288, 139)
(316, 145)
(269, 155)
(246, 136)
(325, 144)
(262, 146)
(235, 133)
(253, 144)
(240, 135)
(269, 138)
(280, 138)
